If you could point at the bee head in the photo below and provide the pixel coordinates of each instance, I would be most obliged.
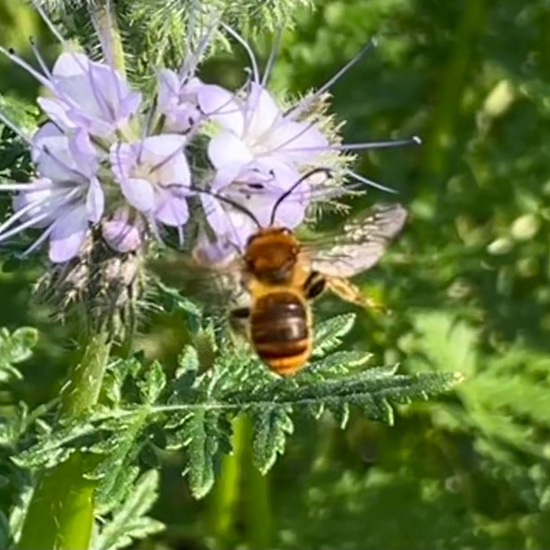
(271, 255)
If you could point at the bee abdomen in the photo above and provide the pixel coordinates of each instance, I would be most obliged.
(280, 332)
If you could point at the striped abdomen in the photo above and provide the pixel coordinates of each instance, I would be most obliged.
(279, 331)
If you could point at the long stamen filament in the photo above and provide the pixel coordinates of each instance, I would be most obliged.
(48, 22)
(360, 146)
(45, 234)
(24, 225)
(272, 55)
(24, 65)
(39, 58)
(295, 111)
(367, 181)
(247, 48)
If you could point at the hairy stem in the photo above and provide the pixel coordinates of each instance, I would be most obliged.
(104, 19)
(61, 513)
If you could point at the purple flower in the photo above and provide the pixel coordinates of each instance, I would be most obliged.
(240, 205)
(105, 160)
(84, 94)
(154, 177)
(177, 101)
(66, 197)
(255, 128)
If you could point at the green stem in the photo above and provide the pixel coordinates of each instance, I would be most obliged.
(241, 493)
(61, 513)
(104, 17)
(258, 512)
(224, 509)
(87, 377)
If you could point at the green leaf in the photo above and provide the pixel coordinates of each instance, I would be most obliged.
(20, 112)
(5, 535)
(448, 342)
(15, 348)
(203, 431)
(153, 384)
(271, 424)
(328, 335)
(339, 362)
(130, 522)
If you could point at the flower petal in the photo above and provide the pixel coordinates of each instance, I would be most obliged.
(139, 193)
(298, 141)
(227, 148)
(68, 234)
(57, 111)
(95, 201)
(92, 95)
(262, 113)
(64, 159)
(221, 106)
(83, 153)
(172, 210)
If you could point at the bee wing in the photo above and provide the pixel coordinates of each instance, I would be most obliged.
(360, 244)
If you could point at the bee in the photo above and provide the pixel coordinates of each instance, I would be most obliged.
(282, 275)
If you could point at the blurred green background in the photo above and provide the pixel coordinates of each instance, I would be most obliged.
(468, 284)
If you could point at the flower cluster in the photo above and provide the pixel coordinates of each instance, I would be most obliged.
(110, 161)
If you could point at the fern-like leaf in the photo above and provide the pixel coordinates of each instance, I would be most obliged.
(130, 522)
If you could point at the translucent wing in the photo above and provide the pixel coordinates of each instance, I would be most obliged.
(360, 244)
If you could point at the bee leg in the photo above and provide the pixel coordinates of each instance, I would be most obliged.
(315, 284)
(350, 293)
(238, 319)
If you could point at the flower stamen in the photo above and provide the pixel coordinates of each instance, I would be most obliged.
(303, 105)
(39, 58)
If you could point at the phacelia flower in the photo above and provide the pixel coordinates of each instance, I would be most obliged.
(114, 165)
(261, 150)
(98, 161)
(154, 177)
(178, 102)
(64, 199)
(84, 94)
(255, 189)
(256, 129)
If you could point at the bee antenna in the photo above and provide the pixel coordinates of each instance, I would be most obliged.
(239, 207)
(229, 201)
(293, 187)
